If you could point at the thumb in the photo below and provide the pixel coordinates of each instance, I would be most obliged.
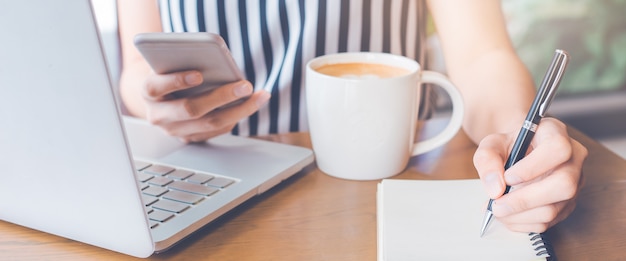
(489, 162)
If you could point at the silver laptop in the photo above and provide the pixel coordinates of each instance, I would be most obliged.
(72, 166)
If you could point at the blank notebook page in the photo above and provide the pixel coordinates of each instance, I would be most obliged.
(441, 220)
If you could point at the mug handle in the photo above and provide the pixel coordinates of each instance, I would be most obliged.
(455, 120)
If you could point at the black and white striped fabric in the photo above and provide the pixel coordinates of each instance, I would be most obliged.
(271, 41)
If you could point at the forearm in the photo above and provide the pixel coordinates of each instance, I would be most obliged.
(131, 80)
(134, 17)
(497, 90)
(481, 61)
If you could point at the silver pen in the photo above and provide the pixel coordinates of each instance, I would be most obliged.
(537, 111)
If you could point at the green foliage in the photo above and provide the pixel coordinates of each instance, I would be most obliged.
(593, 32)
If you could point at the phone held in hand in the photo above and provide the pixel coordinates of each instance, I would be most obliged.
(176, 52)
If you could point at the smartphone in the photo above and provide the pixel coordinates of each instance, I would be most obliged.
(175, 52)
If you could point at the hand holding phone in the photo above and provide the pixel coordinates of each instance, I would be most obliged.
(176, 52)
(169, 53)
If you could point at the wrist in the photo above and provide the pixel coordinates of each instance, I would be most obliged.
(512, 121)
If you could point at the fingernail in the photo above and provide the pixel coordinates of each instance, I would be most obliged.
(263, 98)
(193, 78)
(492, 184)
(501, 209)
(243, 89)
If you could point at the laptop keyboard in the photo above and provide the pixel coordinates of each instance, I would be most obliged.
(168, 191)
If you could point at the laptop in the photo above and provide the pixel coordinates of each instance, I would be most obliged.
(73, 166)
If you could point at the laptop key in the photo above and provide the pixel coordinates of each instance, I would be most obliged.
(148, 200)
(179, 174)
(154, 191)
(184, 197)
(158, 170)
(139, 165)
(193, 188)
(199, 178)
(160, 215)
(143, 177)
(220, 182)
(171, 206)
(159, 181)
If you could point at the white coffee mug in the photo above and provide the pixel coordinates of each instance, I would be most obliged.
(362, 111)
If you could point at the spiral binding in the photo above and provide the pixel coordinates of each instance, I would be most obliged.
(542, 246)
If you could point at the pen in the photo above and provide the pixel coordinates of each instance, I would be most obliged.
(537, 111)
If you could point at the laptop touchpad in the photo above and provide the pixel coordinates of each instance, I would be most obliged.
(148, 141)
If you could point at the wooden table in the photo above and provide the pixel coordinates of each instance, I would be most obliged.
(313, 216)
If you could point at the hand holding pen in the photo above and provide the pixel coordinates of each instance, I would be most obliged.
(548, 178)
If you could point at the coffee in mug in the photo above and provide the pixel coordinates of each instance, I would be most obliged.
(361, 70)
(363, 109)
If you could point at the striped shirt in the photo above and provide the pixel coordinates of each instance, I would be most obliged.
(272, 40)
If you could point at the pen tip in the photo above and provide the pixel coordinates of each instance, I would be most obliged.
(486, 221)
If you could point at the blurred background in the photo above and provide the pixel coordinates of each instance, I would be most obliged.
(592, 96)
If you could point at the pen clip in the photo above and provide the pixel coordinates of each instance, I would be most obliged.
(561, 58)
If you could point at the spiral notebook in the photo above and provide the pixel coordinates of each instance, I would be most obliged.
(441, 219)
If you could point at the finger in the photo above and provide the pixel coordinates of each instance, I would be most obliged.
(556, 187)
(157, 86)
(540, 219)
(561, 184)
(200, 105)
(551, 147)
(544, 214)
(216, 122)
(489, 162)
(184, 109)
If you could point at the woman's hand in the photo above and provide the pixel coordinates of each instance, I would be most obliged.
(199, 117)
(545, 182)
